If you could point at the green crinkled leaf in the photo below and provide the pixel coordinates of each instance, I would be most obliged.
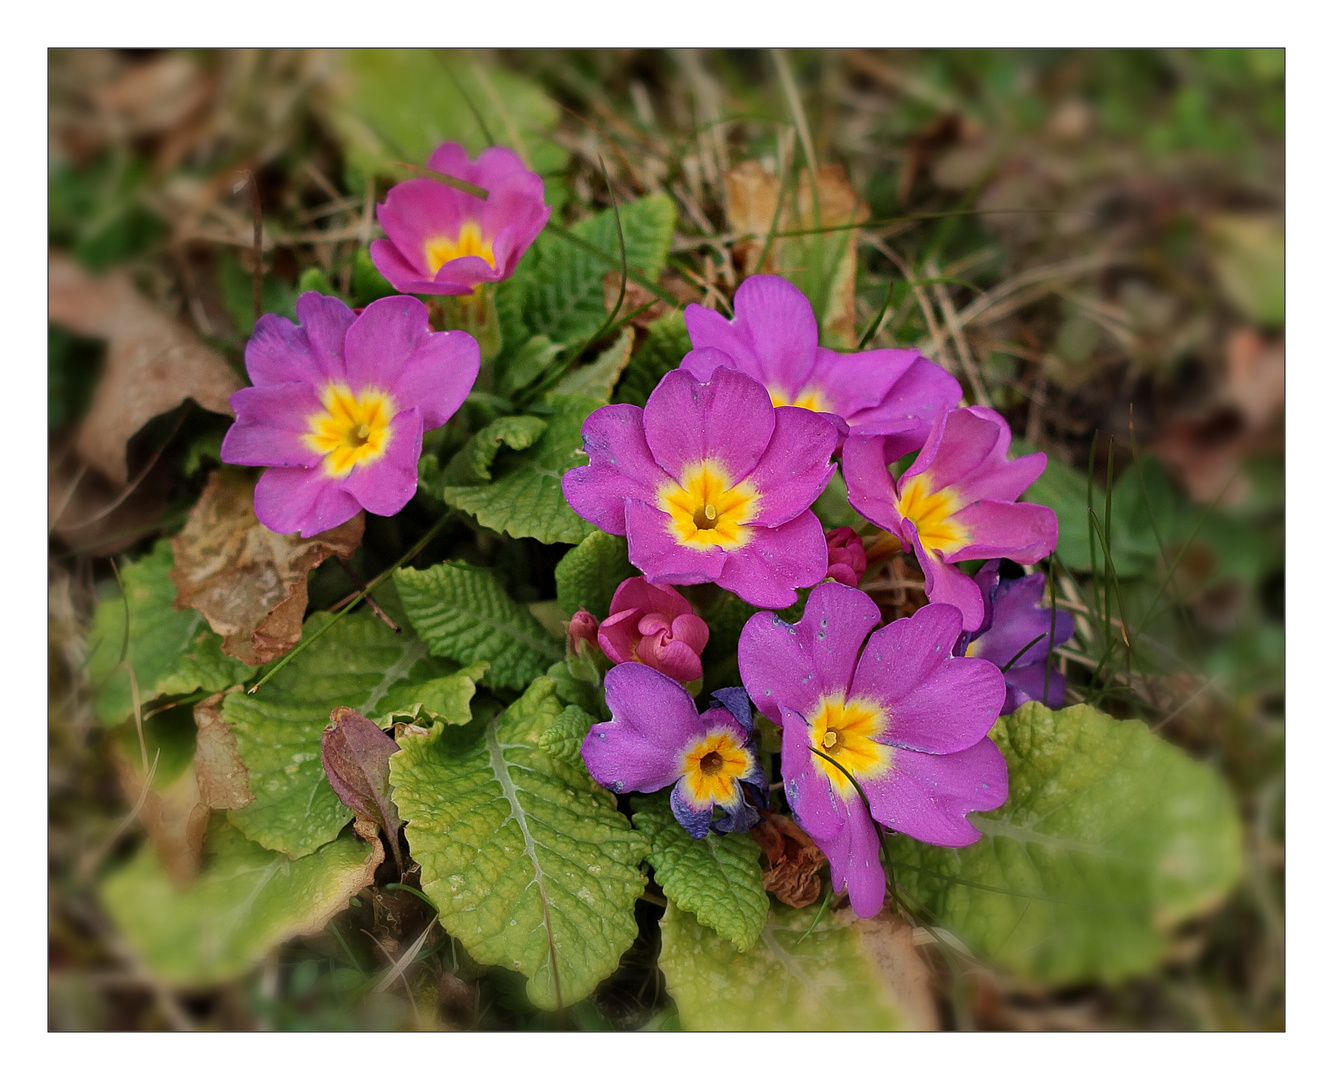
(246, 901)
(526, 858)
(588, 575)
(463, 613)
(472, 464)
(557, 288)
(448, 698)
(563, 740)
(598, 379)
(279, 729)
(575, 691)
(668, 342)
(792, 979)
(522, 366)
(172, 652)
(717, 879)
(1110, 837)
(525, 498)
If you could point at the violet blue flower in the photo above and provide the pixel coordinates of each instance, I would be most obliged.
(446, 242)
(710, 483)
(846, 556)
(1016, 636)
(654, 625)
(657, 737)
(338, 407)
(774, 339)
(956, 502)
(904, 717)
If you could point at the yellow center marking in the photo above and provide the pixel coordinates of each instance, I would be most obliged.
(809, 398)
(711, 768)
(843, 731)
(707, 510)
(350, 430)
(443, 249)
(932, 513)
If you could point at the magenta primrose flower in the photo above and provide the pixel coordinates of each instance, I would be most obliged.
(1016, 636)
(956, 502)
(774, 339)
(446, 242)
(654, 625)
(904, 717)
(846, 556)
(710, 482)
(339, 405)
(657, 737)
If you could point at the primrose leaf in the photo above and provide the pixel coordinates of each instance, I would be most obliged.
(279, 730)
(668, 342)
(717, 878)
(463, 613)
(525, 497)
(563, 740)
(172, 652)
(472, 464)
(1110, 837)
(588, 575)
(525, 856)
(794, 978)
(246, 901)
(598, 379)
(448, 698)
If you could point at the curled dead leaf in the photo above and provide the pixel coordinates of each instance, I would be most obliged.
(172, 815)
(153, 362)
(886, 941)
(223, 779)
(247, 581)
(792, 860)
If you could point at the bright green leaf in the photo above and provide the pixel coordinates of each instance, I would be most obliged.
(462, 613)
(529, 362)
(1110, 837)
(563, 740)
(598, 379)
(717, 878)
(526, 858)
(448, 698)
(588, 575)
(472, 464)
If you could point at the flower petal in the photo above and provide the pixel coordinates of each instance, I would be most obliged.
(438, 376)
(817, 808)
(795, 467)
(774, 563)
(652, 720)
(279, 352)
(417, 211)
(307, 501)
(387, 485)
(326, 321)
(1024, 532)
(774, 332)
(855, 864)
(271, 423)
(945, 583)
(381, 341)
(916, 398)
(728, 420)
(870, 487)
(654, 549)
(693, 819)
(620, 466)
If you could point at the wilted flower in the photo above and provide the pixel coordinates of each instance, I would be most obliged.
(846, 556)
(956, 502)
(657, 737)
(338, 407)
(1016, 636)
(774, 338)
(446, 242)
(904, 717)
(654, 625)
(710, 483)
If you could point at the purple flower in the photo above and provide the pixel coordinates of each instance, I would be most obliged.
(654, 625)
(1017, 632)
(446, 242)
(657, 737)
(904, 717)
(774, 339)
(710, 483)
(956, 502)
(338, 407)
(846, 556)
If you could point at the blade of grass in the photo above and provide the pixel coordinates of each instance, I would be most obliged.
(873, 328)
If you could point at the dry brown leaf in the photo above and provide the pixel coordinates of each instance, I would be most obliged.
(792, 860)
(154, 96)
(636, 296)
(173, 816)
(887, 942)
(248, 581)
(223, 779)
(153, 362)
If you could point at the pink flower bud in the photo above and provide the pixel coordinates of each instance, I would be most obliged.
(654, 625)
(846, 556)
(582, 627)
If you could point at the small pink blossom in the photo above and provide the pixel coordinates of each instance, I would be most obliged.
(846, 556)
(654, 625)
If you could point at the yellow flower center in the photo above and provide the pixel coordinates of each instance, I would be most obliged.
(932, 513)
(443, 249)
(711, 768)
(809, 398)
(350, 430)
(843, 730)
(706, 509)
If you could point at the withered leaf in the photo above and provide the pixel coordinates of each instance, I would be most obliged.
(247, 581)
(224, 781)
(792, 860)
(887, 942)
(153, 362)
(356, 753)
(172, 814)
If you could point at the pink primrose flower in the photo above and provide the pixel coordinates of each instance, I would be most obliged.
(902, 715)
(956, 502)
(654, 625)
(339, 405)
(774, 339)
(846, 556)
(710, 482)
(446, 242)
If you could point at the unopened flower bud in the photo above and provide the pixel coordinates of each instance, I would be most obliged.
(846, 556)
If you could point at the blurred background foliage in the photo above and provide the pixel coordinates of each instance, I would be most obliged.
(1093, 241)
